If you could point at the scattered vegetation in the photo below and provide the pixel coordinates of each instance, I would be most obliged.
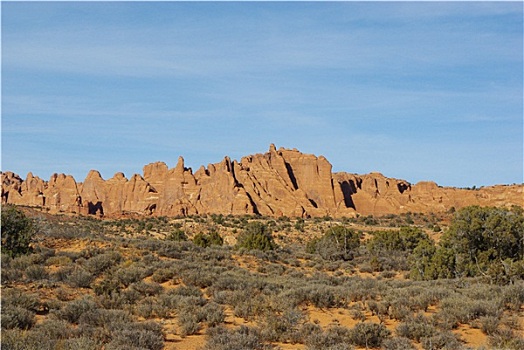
(83, 283)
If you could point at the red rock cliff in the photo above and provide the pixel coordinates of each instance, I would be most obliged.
(279, 182)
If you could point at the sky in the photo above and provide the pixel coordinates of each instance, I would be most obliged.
(414, 90)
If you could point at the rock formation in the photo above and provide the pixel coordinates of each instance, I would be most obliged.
(280, 182)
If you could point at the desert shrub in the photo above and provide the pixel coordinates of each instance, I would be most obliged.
(80, 278)
(131, 274)
(101, 262)
(144, 308)
(62, 273)
(17, 231)
(36, 273)
(334, 338)
(163, 275)
(83, 343)
(198, 277)
(338, 243)
(73, 310)
(304, 331)
(188, 321)
(17, 317)
(398, 343)
(416, 328)
(369, 334)
(256, 236)
(399, 311)
(284, 327)
(442, 340)
(322, 296)
(22, 262)
(489, 324)
(16, 339)
(54, 329)
(245, 305)
(19, 298)
(513, 296)
(378, 308)
(465, 310)
(187, 291)
(506, 339)
(243, 338)
(212, 314)
(10, 275)
(104, 318)
(59, 260)
(143, 335)
(146, 288)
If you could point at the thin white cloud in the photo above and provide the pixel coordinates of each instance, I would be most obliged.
(301, 75)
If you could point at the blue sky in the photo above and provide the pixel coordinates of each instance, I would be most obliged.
(417, 91)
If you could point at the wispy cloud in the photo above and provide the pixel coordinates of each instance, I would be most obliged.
(156, 80)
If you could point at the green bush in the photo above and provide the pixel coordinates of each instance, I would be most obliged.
(256, 236)
(17, 231)
(405, 239)
(177, 235)
(338, 243)
(206, 240)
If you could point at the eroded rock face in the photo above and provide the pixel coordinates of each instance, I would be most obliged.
(375, 194)
(280, 182)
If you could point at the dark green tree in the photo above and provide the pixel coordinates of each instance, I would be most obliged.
(422, 261)
(481, 241)
(481, 236)
(405, 239)
(17, 231)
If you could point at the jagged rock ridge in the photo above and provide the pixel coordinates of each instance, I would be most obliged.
(280, 182)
